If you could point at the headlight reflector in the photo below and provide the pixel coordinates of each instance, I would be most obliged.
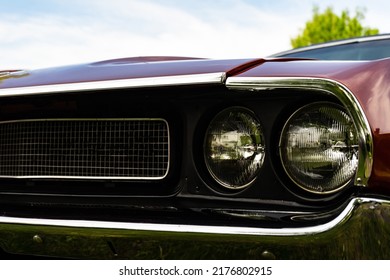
(234, 148)
(319, 148)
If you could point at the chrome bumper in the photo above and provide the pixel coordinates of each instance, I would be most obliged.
(361, 231)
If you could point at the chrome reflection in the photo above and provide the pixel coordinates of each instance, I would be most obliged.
(234, 148)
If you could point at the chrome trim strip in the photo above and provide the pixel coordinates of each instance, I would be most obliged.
(180, 228)
(95, 177)
(328, 86)
(176, 80)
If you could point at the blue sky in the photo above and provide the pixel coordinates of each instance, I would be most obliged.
(44, 33)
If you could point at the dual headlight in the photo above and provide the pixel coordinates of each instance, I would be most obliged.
(318, 148)
(234, 148)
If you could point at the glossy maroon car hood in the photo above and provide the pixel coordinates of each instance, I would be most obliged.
(127, 68)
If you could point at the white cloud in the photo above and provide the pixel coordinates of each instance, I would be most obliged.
(135, 28)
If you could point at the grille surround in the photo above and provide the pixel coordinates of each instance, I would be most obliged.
(85, 148)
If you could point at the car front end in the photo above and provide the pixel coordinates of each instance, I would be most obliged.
(181, 158)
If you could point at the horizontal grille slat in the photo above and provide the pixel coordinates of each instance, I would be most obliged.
(85, 148)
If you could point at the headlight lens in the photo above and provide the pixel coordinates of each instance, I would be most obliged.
(234, 148)
(319, 148)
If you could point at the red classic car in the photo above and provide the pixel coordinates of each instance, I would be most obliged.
(184, 158)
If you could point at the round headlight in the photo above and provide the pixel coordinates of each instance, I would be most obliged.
(319, 148)
(234, 148)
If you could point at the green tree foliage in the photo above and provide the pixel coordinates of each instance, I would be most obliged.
(328, 26)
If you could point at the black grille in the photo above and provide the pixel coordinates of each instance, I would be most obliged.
(85, 148)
